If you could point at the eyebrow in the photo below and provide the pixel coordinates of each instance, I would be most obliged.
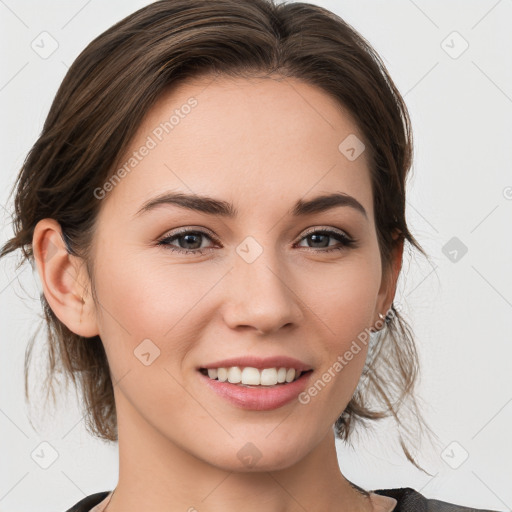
(212, 206)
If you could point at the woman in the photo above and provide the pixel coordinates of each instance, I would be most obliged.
(216, 210)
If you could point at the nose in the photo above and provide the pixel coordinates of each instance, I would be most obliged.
(261, 296)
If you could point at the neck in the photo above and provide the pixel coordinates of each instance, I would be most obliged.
(157, 474)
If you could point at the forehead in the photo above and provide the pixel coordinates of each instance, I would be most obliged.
(263, 140)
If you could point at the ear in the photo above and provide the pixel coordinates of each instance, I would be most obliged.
(389, 280)
(64, 279)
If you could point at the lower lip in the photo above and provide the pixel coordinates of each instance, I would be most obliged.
(260, 398)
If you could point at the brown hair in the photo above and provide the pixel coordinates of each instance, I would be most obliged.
(114, 82)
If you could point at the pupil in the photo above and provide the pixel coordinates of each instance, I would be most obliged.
(317, 235)
(188, 236)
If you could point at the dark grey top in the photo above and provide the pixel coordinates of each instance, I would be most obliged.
(408, 500)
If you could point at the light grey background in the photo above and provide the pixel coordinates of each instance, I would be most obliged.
(461, 311)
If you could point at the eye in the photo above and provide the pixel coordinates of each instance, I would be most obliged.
(192, 241)
(320, 236)
(190, 238)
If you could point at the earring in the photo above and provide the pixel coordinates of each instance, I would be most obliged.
(386, 318)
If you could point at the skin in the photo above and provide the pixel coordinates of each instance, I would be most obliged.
(261, 144)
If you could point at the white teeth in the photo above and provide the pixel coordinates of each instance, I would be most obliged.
(281, 375)
(234, 374)
(254, 377)
(250, 376)
(268, 377)
(290, 375)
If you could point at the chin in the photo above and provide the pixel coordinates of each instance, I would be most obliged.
(255, 457)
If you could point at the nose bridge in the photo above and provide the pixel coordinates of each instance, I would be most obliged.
(261, 294)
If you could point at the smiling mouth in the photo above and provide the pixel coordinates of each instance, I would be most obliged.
(204, 372)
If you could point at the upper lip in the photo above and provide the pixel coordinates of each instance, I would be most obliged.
(260, 363)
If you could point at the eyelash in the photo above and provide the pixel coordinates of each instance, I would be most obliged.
(346, 242)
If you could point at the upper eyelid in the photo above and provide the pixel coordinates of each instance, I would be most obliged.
(325, 228)
(186, 230)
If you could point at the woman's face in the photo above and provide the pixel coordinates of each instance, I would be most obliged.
(262, 286)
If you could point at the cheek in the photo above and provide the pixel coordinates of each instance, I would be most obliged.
(147, 327)
(343, 296)
(149, 299)
(144, 296)
(342, 303)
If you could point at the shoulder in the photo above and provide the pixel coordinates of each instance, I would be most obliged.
(85, 504)
(409, 500)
